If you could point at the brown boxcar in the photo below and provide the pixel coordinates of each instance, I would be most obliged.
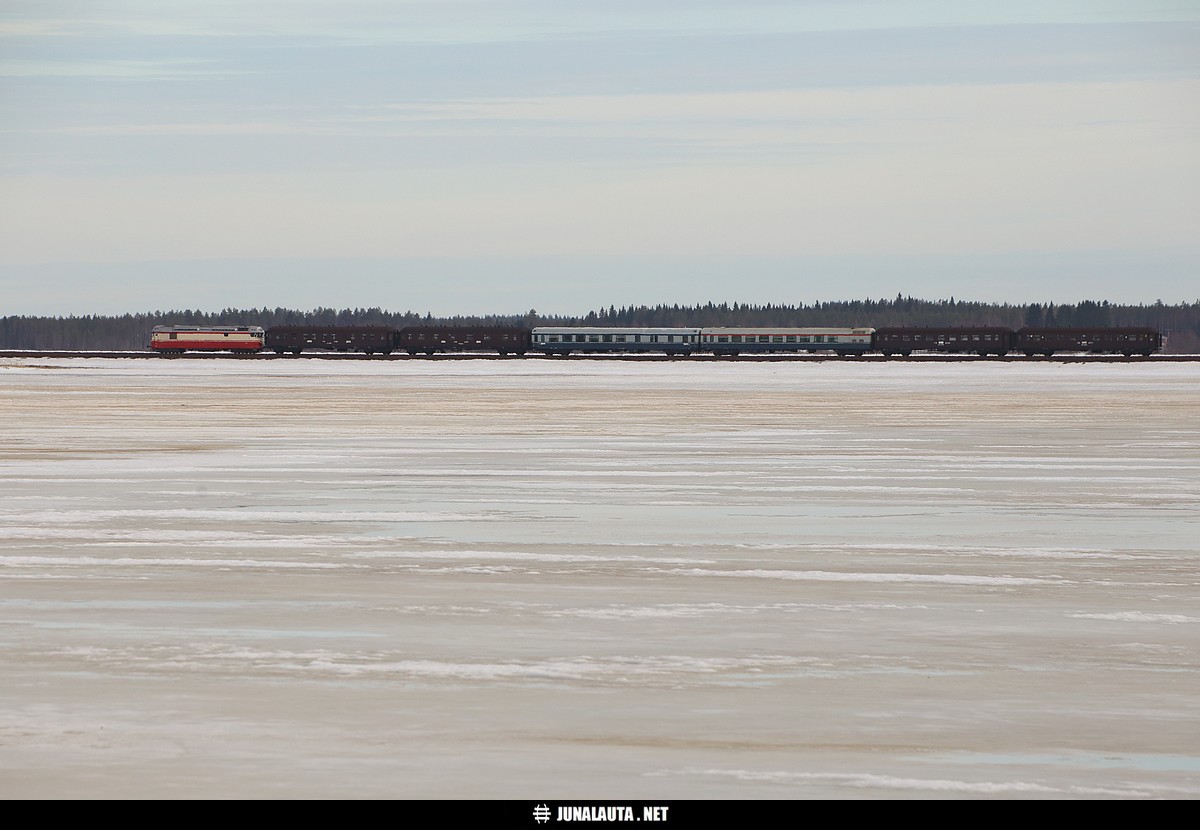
(366, 339)
(1109, 340)
(434, 339)
(980, 340)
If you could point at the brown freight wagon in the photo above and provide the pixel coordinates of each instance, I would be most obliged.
(1108, 340)
(980, 340)
(366, 339)
(433, 339)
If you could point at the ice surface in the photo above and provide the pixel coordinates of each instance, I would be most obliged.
(542, 579)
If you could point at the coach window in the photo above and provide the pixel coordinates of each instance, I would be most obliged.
(777, 338)
(791, 338)
(608, 338)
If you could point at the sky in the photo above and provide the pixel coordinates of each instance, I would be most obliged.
(471, 157)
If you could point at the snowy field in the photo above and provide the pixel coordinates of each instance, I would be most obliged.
(545, 580)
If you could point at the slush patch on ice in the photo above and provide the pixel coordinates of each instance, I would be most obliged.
(127, 561)
(617, 612)
(863, 780)
(643, 612)
(524, 556)
(166, 538)
(237, 515)
(614, 669)
(1137, 616)
(890, 546)
(829, 576)
(609, 669)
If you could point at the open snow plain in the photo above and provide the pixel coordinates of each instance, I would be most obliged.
(584, 580)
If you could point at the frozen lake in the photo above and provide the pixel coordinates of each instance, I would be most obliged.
(546, 580)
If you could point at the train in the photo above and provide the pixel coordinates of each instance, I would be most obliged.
(180, 339)
(675, 341)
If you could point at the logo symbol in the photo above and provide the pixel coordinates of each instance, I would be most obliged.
(541, 814)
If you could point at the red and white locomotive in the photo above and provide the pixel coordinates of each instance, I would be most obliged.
(180, 339)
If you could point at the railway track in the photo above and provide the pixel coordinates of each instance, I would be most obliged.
(639, 358)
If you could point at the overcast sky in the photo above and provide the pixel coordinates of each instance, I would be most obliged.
(492, 156)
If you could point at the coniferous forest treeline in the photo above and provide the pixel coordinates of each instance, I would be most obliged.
(1180, 323)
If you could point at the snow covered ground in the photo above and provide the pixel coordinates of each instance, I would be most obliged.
(553, 580)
